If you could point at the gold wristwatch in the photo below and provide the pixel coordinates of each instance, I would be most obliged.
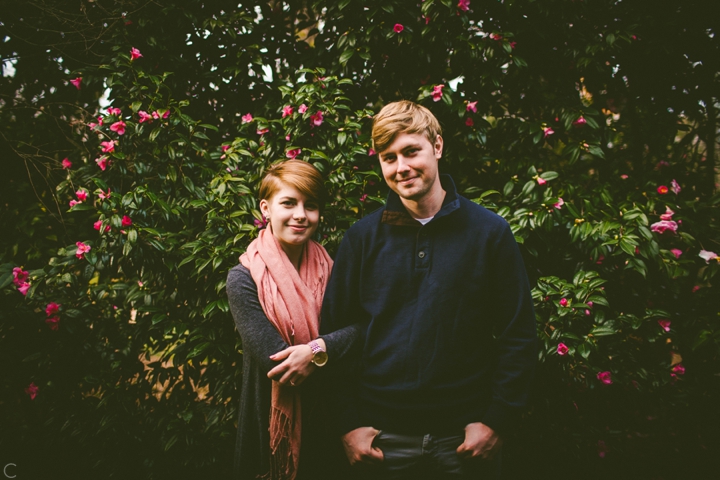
(319, 355)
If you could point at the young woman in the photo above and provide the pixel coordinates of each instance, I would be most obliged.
(275, 296)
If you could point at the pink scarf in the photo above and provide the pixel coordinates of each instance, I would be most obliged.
(291, 301)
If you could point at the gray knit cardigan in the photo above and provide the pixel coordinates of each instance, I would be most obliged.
(320, 454)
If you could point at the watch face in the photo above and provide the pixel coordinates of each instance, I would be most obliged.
(320, 358)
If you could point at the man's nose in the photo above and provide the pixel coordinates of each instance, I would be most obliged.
(402, 164)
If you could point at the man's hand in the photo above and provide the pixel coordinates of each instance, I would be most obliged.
(296, 367)
(481, 441)
(358, 446)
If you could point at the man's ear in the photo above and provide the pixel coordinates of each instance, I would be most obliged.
(438, 147)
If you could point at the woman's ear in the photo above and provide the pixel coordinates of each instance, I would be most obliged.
(265, 208)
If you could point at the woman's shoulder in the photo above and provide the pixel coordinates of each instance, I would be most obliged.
(239, 277)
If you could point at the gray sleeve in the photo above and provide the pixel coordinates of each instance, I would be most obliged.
(260, 338)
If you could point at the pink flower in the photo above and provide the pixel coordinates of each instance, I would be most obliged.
(247, 118)
(363, 197)
(114, 111)
(661, 164)
(398, 28)
(675, 186)
(287, 110)
(108, 147)
(118, 127)
(707, 255)
(464, 5)
(102, 162)
(600, 260)
(260, 223)
(32, 390)
(72, 203)
(98, 225)
(81, 195)
(53, 323)
(126, 221)
(135, 54)
(667, 215)
(302, 108)
(19, 276)
(76, 82)
(225, 148)
(602, 449)
(144, 116)
(604, 377)
(496, 36)
(662, 189)
(587, 312)
(93, 126)
(563, 302)
(471, 106)
(427, 19)
(541, 181)
(102, 195)
(469, 122)
(590, 304)
(371, 152)
(624, 177)
(157, 115)
(513, 45)
(663, 225)
(293, 153)
(317, 118)
(52, 308)
(23, 288)
(696, 288)
(559, 203)
(82, 249)
(580, 121)
(679, 369)
(100, 120)
(677, 252)
(437, 92)
(66, 164)
(262, 131)
(547, 132)
(562, 349)
(664, 324)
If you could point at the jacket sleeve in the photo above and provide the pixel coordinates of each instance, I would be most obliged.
(342, 310)
(515, 334)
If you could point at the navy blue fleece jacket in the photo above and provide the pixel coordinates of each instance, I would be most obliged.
(447, 317)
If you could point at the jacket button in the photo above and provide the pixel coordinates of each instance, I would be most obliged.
(421, 254)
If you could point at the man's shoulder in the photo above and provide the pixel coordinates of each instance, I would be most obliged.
(367, 224)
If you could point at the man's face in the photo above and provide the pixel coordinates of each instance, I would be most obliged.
(410, 165)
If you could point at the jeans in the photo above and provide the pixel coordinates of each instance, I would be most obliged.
(425, 457)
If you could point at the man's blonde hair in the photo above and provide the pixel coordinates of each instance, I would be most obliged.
(403, 117)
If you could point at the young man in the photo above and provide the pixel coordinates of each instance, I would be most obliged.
(439, 286)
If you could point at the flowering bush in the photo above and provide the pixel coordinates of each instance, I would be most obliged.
(116, 322)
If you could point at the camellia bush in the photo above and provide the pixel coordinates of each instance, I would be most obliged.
(119, 351)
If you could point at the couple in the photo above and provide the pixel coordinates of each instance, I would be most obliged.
(428, 304)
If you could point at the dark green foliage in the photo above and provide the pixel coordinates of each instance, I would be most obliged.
(563, 117)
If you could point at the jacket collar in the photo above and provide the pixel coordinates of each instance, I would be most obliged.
(395, 212)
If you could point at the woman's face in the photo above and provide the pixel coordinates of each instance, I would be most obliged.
(293, 217)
